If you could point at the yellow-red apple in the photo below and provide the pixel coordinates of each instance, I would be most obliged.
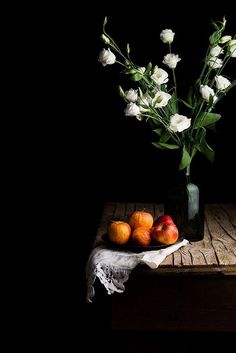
(165, 233)
(141, 236)
(140, 219)
(119, 232)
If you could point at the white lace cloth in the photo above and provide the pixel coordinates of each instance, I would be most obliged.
(113, 267)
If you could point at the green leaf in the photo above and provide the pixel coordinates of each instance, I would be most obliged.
(185, 160)
(172, 103)
(190, 96)
(127, 48)
(165, 137)
(136, 77)
(204, 148)
(215, 37)
(202, 134)
(185, 103)
(194, 151)
(165, 146)
(211, 127)
(158, 131)
(205, 119)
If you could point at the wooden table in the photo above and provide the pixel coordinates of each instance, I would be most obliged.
(194, 289)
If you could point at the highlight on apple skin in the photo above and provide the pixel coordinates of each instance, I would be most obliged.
(165, 233)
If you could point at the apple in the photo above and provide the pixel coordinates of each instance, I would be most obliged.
(164, 218)
(119, 232)
(141, 236)
(165, 233)
(140, 219)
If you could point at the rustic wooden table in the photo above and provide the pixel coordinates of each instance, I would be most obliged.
(194, 289)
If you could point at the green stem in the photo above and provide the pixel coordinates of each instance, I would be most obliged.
(175, 83)
(118, 62)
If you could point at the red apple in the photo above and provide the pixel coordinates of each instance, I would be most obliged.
(165, 233)
(164, 218)
(141, 236)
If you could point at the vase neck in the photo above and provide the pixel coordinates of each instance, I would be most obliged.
(187, 173)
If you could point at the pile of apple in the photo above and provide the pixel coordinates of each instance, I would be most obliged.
(141, 230)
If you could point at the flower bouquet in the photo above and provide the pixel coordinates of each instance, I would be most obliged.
(156, 101)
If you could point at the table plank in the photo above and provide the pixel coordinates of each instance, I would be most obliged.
(230, 209)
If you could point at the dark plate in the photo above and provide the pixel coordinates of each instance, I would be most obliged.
(135, 248)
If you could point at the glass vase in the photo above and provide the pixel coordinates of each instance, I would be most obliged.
(184, 203)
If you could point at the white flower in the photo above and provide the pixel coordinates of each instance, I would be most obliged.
(131, 95)
(232, 50)
(161, 98)
(141, 69)
(171, 60)
(132, 109)
(167, 36)
(224, 39)
(231, 42)
(215, 63)
(222, 83)
(160, 76)
(106, 57)
(216, 51)
(206, 92)
(179, 123)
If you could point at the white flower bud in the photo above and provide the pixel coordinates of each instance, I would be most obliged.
(105, 39)
(216, 51)
(106, 57)
(232, 50)
(222, 83)
(206, 92)
(215, 63)
(167, 36)
(141, 69)
(231, 42)
(224, 39)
